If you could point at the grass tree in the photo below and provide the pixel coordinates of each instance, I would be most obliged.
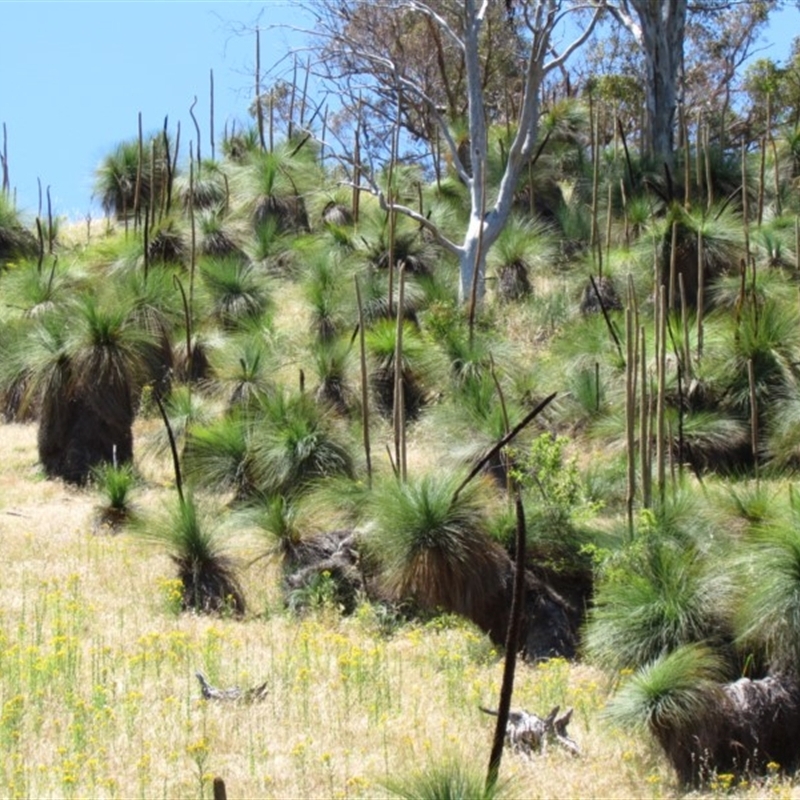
(277, 523)
(671, 697)
(448, 779)
(766, 609)
(708, 726)
(31, 289)
(217, 236)
(473, 419)
(192, 537)
(382, 244)
(244, 367)
(16, 241)
(237, 291)
(268, 186)
(294, 444)
(520, 248)
(185, 409)
(168, 243)
(768, 336)
(419, 365)
(154, 307)
(130, 175)
(325, 291)
(85, 365)
(707, 243)
(114, 483)
(218, 455)
(209, 186)
(657, 596)
(333, 362)
(434, 550)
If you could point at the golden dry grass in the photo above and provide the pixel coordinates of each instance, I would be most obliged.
(98, 696)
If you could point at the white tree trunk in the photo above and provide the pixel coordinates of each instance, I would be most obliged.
(488, 215)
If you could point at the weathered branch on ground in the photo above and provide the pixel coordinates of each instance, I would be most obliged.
(233, 694)
(529, 734)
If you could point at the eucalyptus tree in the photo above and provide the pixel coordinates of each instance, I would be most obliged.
(362, 69)
(691, 53)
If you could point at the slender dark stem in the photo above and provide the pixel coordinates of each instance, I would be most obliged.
(4, 159)
(510, 436)
(166, 193)
(146, 247)
(176, 464)
(473, 292)
(138, 186)
(50, 232)
(197, 129)
(364, 384)
(188, 320)
(40, 235)
(211, 113)
(607, 319)
(512, 645)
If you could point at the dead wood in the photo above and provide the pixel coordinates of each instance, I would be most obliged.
(529, 734)
(234, 694)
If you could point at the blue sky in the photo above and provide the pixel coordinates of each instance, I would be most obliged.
(75, 75)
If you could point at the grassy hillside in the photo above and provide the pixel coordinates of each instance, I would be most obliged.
(309, 526)
(99, 696)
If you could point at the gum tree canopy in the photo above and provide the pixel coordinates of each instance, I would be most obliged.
(429, 67)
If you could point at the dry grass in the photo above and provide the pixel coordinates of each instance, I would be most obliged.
(98, 696)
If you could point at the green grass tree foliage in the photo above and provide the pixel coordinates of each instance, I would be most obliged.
(658, 595)
(332, 364)
(238, 292)
(126, 168)
(83, 366)
(418, 366)
(766, 610)
(295, 444)
(722, 236)
(269, 186)
(472, 420)
(671, 696)
(434, 549)
(520, 248)
(279, 446)
(218, 455)
(16, 241)
(193, 540)
(244, 367)
(766, 334)
(114, 483)
(706, 726)
(449, 779)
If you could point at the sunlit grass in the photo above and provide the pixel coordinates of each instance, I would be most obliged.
(98, 696)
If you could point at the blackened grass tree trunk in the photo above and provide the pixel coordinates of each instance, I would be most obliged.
(87, 363)
(489, 206)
